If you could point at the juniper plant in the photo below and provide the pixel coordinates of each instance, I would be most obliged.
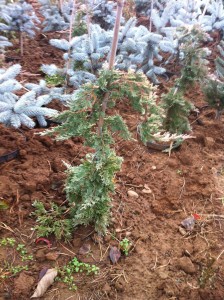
(89, 185)
(177, 108)
(213, 85)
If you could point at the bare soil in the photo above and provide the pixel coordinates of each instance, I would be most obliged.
(164, 261)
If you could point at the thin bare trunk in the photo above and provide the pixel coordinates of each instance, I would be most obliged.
(60, 3)
(88, 18)
(70, 37)
(205, 8)
(120, 5)
(21, 42)
(150, 21)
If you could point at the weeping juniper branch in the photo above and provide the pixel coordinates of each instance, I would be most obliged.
(177, 108)
(213, 85)
(90, 184)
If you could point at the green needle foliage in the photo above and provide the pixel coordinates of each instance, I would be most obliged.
(177, 108)
(194, 57)
(89, 185)
(51, 221)
(213, 86)
(219, 61)
(80, 26)
(213, 90)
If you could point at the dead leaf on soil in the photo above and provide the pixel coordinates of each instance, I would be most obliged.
(114, 254)
(42, 273)
(45, 282)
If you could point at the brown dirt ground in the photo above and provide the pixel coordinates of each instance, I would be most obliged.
(163, 263)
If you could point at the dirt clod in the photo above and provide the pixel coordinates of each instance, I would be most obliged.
(186, 265)
(24, 283)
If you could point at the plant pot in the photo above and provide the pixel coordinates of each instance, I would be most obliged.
(164, 147)
(12, 59)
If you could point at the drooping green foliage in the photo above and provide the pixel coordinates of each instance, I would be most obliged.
(219, 61)
(85, 108)
(177, 109)
(80, 26)
(89, 185)
(213, 90)
(213, 85)
(88, 188)
(194, 57)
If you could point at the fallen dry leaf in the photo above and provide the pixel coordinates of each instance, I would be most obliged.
(114, 254)
(45, 282)
(42, 273)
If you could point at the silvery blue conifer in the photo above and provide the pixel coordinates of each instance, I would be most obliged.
(19, 16)
(56, 19)
(16, 111)
(103, 12)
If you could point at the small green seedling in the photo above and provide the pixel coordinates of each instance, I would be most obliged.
(8, 242)
(125, 246)
(23, 252)
(75, 266)
(9, 269)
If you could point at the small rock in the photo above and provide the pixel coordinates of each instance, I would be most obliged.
(132, 194)
(147, 191)
(128, 233)
(85, 249)
(153, 168)
(186, 265)
(163, 274)
(52, 256)
(182, 230)
(22, 153)
(209, 142)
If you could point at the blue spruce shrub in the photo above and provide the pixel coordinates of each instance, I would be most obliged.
(19, 16)
(16, 111)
